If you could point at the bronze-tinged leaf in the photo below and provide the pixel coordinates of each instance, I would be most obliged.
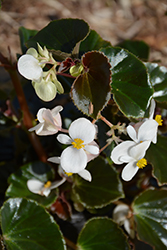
(91, 90)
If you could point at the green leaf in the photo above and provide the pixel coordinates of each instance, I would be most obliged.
(25, 35)
(104, 188)
(61, 35)
(151, 218)
(91, 90)
(138, 48)
(35, 170)
(93, 42)
(130, 82)
(158, 75)
(102, 233)
(26, 225)
(157, 156)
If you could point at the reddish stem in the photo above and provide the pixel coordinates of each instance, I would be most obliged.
(27, 117)
(106, 121)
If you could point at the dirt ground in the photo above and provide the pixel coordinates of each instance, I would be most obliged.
(114, 20)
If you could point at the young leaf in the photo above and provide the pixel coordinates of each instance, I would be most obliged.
(18, 182)
(151, 218)
(26, 225)
(158, 75)
(157, 156)
(104, 188)
(61, 35)
(102, 233)
(91, 90)
(130, 82)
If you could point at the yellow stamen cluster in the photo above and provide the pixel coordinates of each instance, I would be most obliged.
(78, 143)
(47, 184)
(69, 174)
(142, 163)
(159, 120)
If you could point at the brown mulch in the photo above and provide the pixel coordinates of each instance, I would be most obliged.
(114, 20)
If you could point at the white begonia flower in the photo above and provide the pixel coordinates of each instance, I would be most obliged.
(146, 130)
(29, 67)
(38, 187)
(123, 216)
(85, 174)
(49, 121)
(131, 153)
(74, 158)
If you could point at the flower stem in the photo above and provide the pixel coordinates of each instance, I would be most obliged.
(104, 147)
(67, 75)
(27, 117)
(70, 244)
(106, 121)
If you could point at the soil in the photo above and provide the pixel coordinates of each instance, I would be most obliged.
(114, 20)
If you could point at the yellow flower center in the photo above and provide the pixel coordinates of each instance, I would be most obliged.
(142, 163)
(69, 174)
(47, 184)
(159, 120)
(78, 143)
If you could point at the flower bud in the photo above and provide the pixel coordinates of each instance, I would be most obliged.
(76, 70)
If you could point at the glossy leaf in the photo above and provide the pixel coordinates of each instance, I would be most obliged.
(158, 75)
(25, 35)
(91, 90)
(93, 42)
(26, 225)
(61, 35)
(157, 156)
(35, 170)
(102, 233)
(130, 82)
(104, 188)
(151, 218)
(138, 48)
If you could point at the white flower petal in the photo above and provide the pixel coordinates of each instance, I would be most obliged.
(35, 186)
(54, 159)
(138, 151)
(152, 109)
(126, 158)
(147, 130)
(121, 150)
(56, 110)
(40, 114)
(92, 156)
(129, 171)
(120, 213)
(92, 149)
(56, 184)
(83, 129)
(85, 174)
(132, 133)
(47, 129)
(47, 116)
(127, 226)
(64, 139)
(28, 67)
(73, 160)
(39, 126)
(46, 191)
